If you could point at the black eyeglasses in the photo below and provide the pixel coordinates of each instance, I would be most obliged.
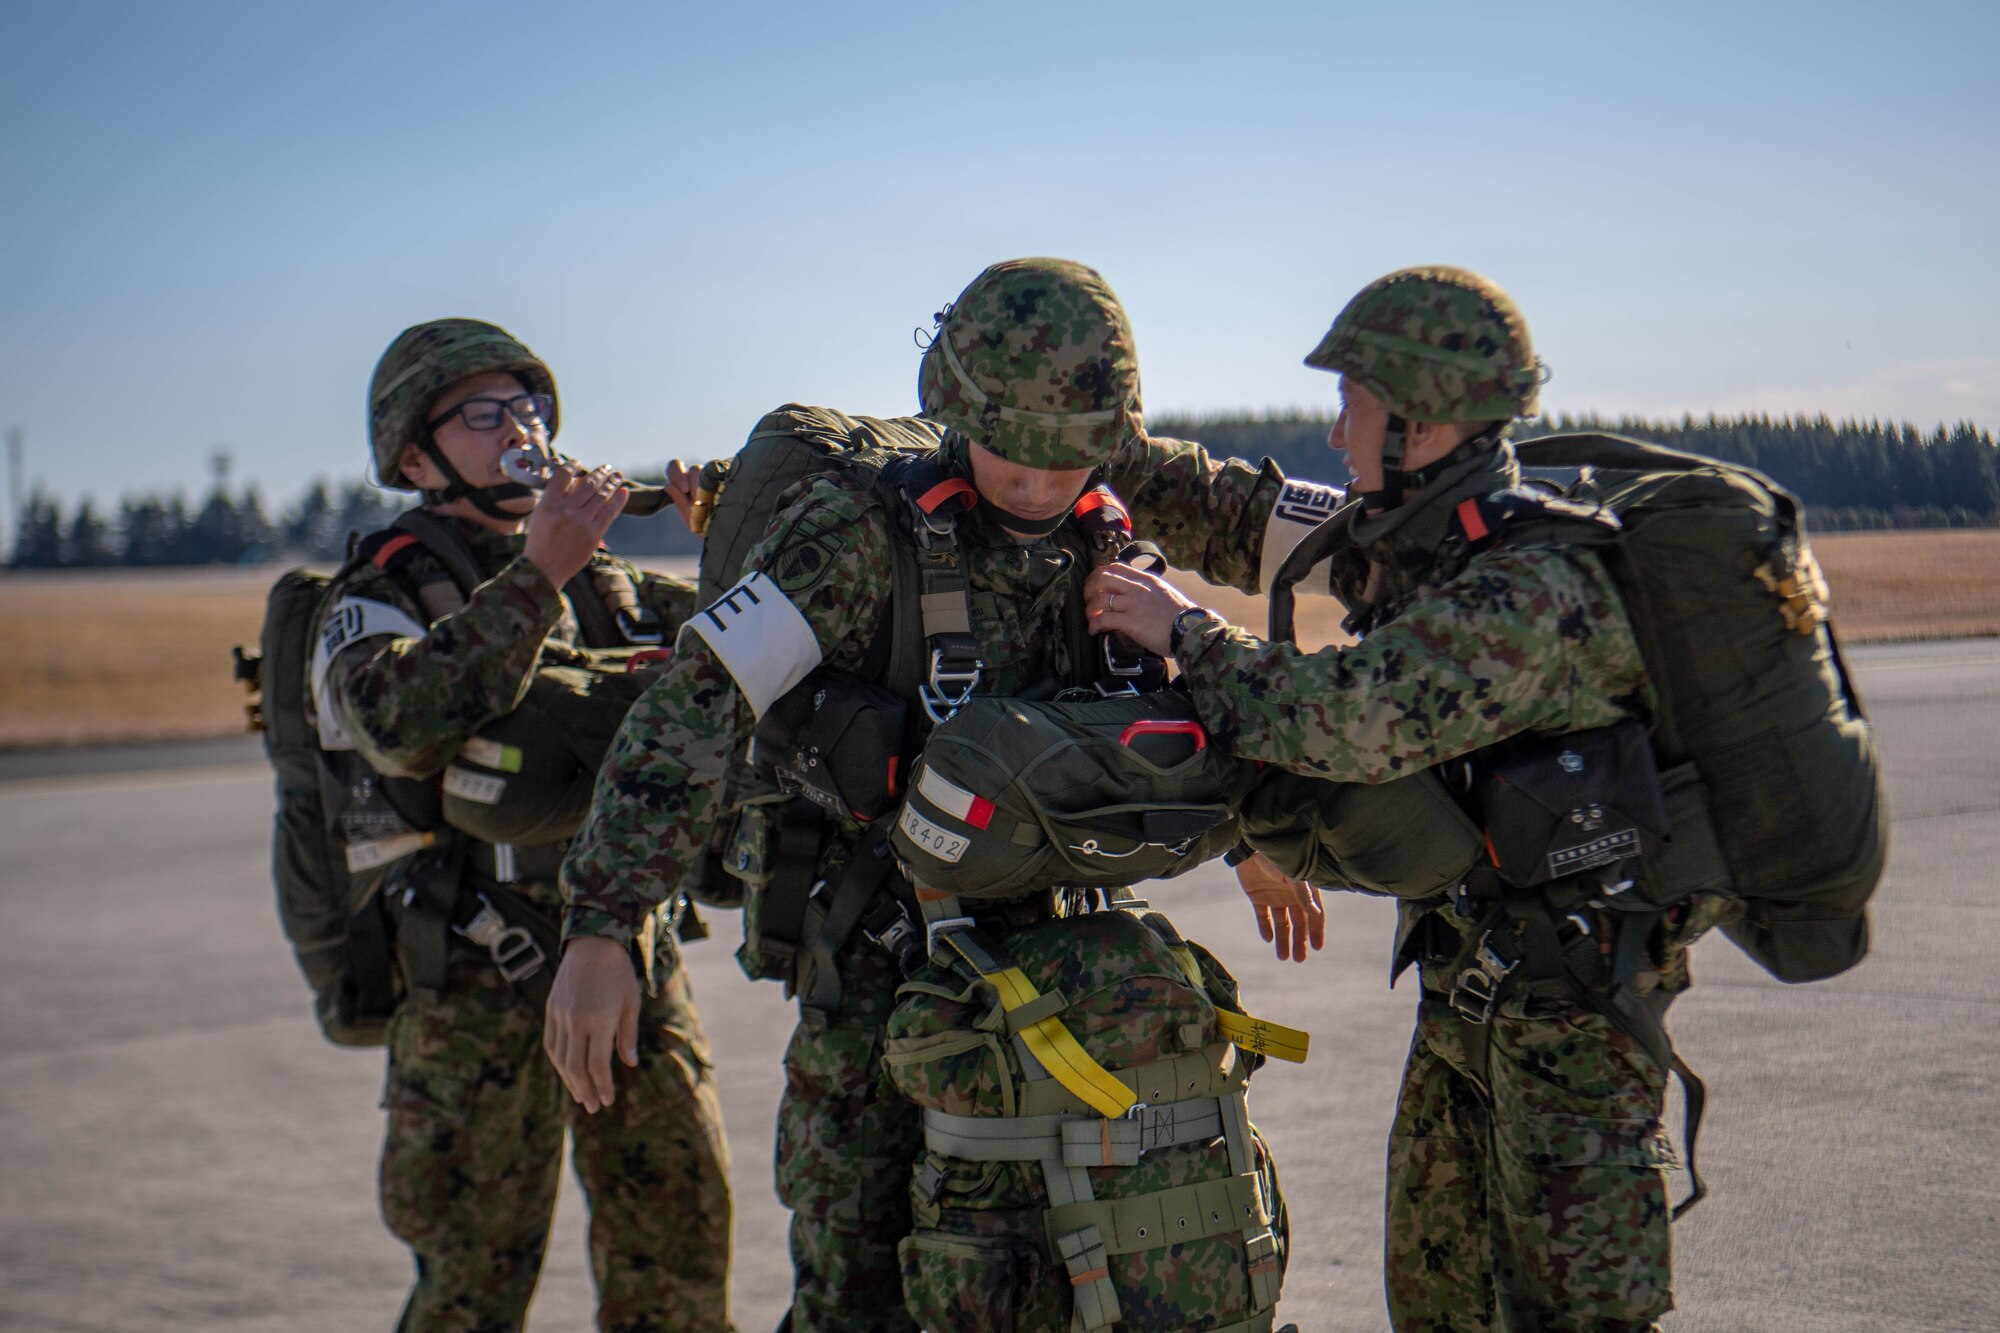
(530, 409)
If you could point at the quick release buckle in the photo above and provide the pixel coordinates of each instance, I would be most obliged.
(1475, 991)
(934, 929)
(513, 949)
(942, 694)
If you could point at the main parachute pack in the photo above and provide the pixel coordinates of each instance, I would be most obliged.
(1770, 783)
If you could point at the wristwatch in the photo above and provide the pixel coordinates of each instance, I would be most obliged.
(1184, 622)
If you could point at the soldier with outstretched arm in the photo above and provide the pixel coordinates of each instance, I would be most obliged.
(1527, 1163)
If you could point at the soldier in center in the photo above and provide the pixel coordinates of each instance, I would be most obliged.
(1030, 390)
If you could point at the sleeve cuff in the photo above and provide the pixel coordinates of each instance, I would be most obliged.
(596, 922)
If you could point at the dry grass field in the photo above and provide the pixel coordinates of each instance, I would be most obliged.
(120, 655)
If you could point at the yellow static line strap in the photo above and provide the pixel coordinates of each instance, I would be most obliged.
(1265, 1038)
(1060, 1052)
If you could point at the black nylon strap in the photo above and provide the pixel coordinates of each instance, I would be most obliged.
(795, 859)
(593, 618)
(864, 875)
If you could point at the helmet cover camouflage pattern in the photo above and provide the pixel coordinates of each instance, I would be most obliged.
(422, 363)
(1035, 361)
(1436, 344)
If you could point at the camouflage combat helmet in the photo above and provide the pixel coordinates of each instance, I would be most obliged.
(1035, 361)
(1436, 344)
(421, 364)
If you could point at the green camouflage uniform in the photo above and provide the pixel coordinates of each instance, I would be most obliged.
(1532, 1192)
(473, 1152)
(844, 1148)
(1035, 363)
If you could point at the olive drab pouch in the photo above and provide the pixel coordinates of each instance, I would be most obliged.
(526, 778)
(1409, 838)
(1032, 1208)
(1573, 804)
(836, 740)
(1011, 797)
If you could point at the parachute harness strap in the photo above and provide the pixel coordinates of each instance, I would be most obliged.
(935, 500)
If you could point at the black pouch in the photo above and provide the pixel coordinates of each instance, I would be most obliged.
(1561, 805)
(836, 740)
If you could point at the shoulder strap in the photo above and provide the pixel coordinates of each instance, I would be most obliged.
(442, 540)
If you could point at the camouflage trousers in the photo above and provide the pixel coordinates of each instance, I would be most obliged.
(846, 1147)
(1532, 1194)
(474, 1151)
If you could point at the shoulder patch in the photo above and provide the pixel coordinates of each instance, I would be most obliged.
(762, 638)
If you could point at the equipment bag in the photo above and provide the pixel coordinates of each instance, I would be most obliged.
(1764, 749)
(335, 919)
(1772, 785)
(1011, 797)
(1037, 1207)
(1409, 838)
(736, 498)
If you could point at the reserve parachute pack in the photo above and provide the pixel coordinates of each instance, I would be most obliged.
(1012, 796)
(518, 787)
(1081, 1170)
(1769, 778)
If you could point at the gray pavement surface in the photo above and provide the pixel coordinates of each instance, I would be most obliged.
(179, 1150)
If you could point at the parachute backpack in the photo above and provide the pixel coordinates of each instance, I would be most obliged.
(1771, 783)
(1140, 1197)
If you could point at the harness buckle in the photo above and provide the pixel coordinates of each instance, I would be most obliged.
(513, 949)
(933, 929)
(949, 688)
(1475, 991)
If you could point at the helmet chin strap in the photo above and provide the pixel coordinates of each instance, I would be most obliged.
(486, 499)
(1397, 483)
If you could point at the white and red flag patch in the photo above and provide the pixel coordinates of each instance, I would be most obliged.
(953, 799)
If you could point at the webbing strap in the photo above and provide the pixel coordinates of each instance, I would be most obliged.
(1094, 1298)
(1076, 1140)
(1168, 1217)
(1059, 1051)
(1213, 1071)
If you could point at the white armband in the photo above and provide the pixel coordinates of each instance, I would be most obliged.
(349, 621)
(1302, 506)
(763, 640)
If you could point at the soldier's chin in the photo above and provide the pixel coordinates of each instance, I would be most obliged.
(520, 504)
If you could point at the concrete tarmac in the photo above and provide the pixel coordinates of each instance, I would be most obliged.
(179, 1149)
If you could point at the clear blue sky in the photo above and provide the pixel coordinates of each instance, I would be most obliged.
(215, 216)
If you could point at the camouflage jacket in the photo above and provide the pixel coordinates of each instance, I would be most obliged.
(823, 573)
(1462, 653)
(406, 693)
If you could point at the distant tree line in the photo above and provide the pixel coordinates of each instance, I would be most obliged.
(1852, 475)
(225, 529)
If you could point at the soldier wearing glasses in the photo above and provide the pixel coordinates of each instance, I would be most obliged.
(411, 665)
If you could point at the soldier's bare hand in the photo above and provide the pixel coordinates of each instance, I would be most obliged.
(571, 518)
(1122, 600)
(681, 481)
(1289, 912)
(593, 1009)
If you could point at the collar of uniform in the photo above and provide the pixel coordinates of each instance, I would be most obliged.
(1409, 539)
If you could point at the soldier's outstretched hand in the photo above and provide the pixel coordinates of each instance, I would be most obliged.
(1122, 600)
(1289, 911)
(593, 1008)
(571, 518)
